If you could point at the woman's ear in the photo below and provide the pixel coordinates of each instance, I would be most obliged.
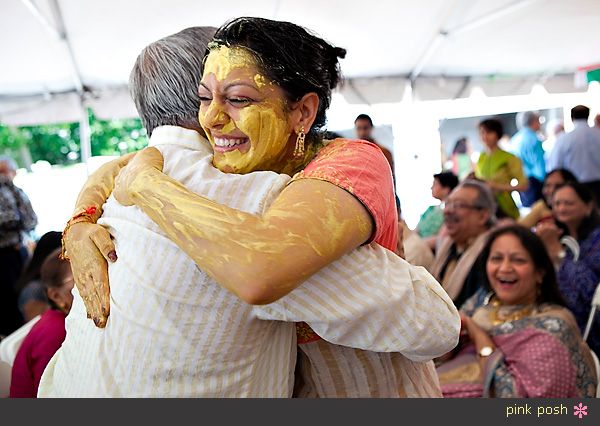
(305, 111)
(54, 295)
(589, 208)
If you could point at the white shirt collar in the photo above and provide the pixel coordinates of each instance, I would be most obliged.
(175, 135)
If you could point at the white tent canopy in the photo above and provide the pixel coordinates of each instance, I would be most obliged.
(60, 53)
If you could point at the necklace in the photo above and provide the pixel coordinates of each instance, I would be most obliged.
(498, 317)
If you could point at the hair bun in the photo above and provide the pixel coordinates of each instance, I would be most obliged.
(339, 52)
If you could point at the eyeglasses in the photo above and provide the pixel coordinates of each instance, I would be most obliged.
(461, 205)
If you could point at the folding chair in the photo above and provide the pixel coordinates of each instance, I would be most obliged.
(572, 244)
(597, 364)
(595, 305)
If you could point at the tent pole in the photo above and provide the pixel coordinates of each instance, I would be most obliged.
(85, 134)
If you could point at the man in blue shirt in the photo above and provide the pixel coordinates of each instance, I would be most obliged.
(579, 151)
(526, 145)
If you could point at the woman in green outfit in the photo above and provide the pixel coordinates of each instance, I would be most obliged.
(498, 168)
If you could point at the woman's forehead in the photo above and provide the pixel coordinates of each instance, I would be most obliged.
(224, 60)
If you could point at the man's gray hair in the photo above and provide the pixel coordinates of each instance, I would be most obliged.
(12, 164)
(485, 198)
(524, 119)
(164, 80)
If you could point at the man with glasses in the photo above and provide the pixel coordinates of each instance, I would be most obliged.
(468, 216)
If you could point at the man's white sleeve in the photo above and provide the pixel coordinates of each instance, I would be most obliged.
(371, 299)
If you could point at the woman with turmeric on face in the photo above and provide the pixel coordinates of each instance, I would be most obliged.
(262, 106)
(258, 115)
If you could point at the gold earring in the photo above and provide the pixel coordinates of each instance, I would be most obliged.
(299, 148)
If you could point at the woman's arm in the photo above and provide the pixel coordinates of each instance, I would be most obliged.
(479, 337)
(260, 259)
(88, 245)
(371, 299)
(515, 168)
(550, 235)
(99, 186)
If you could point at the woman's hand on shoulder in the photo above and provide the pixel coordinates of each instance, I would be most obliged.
(136, 173)
(89, 247)
(550, 235)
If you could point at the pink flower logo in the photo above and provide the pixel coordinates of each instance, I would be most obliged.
(580, 410)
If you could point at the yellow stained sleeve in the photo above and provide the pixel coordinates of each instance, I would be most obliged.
(260, 259)
(100, 185)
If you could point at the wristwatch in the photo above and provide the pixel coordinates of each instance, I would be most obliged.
(485, 351)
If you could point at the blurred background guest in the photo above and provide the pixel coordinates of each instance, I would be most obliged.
(579, 151)
(47, 335)
(499, 168)
(432, 219)
(468, 217)
(542, 209)
(16, 217)
(32, 299)
(576, 215)
(461, 158)
(526, 145)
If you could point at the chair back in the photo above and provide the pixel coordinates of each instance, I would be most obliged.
(597, 364)
(9, 346)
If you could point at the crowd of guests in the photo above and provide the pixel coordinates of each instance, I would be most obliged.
(524, 295)
(487, 254)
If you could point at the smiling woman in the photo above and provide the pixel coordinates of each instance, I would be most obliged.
(243, 114)
(522, 342)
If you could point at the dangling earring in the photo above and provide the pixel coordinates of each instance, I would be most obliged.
(299, 148)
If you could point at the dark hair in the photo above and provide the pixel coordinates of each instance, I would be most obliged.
(290, 56)
(447, 179)
(49, 242)
(580, 112)
(493, 125)
(565, 174)
(590, 223)
(460, 147)
(364, 117)
(54, 272)
(541, 260)
(329, 135)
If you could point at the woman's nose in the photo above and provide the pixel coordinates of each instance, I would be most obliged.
(506, 265)
(214, 116)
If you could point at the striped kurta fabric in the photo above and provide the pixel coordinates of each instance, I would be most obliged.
(173, 332)
(332, 371)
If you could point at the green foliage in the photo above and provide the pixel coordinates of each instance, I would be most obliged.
(117, 137)
(11, 141)
(59, 143)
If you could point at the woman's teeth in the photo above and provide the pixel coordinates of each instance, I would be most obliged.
(228, 143)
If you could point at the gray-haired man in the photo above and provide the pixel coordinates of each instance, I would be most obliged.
(468, 216)
(526, 145)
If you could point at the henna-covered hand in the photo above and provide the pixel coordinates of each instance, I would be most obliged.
(89, 248)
